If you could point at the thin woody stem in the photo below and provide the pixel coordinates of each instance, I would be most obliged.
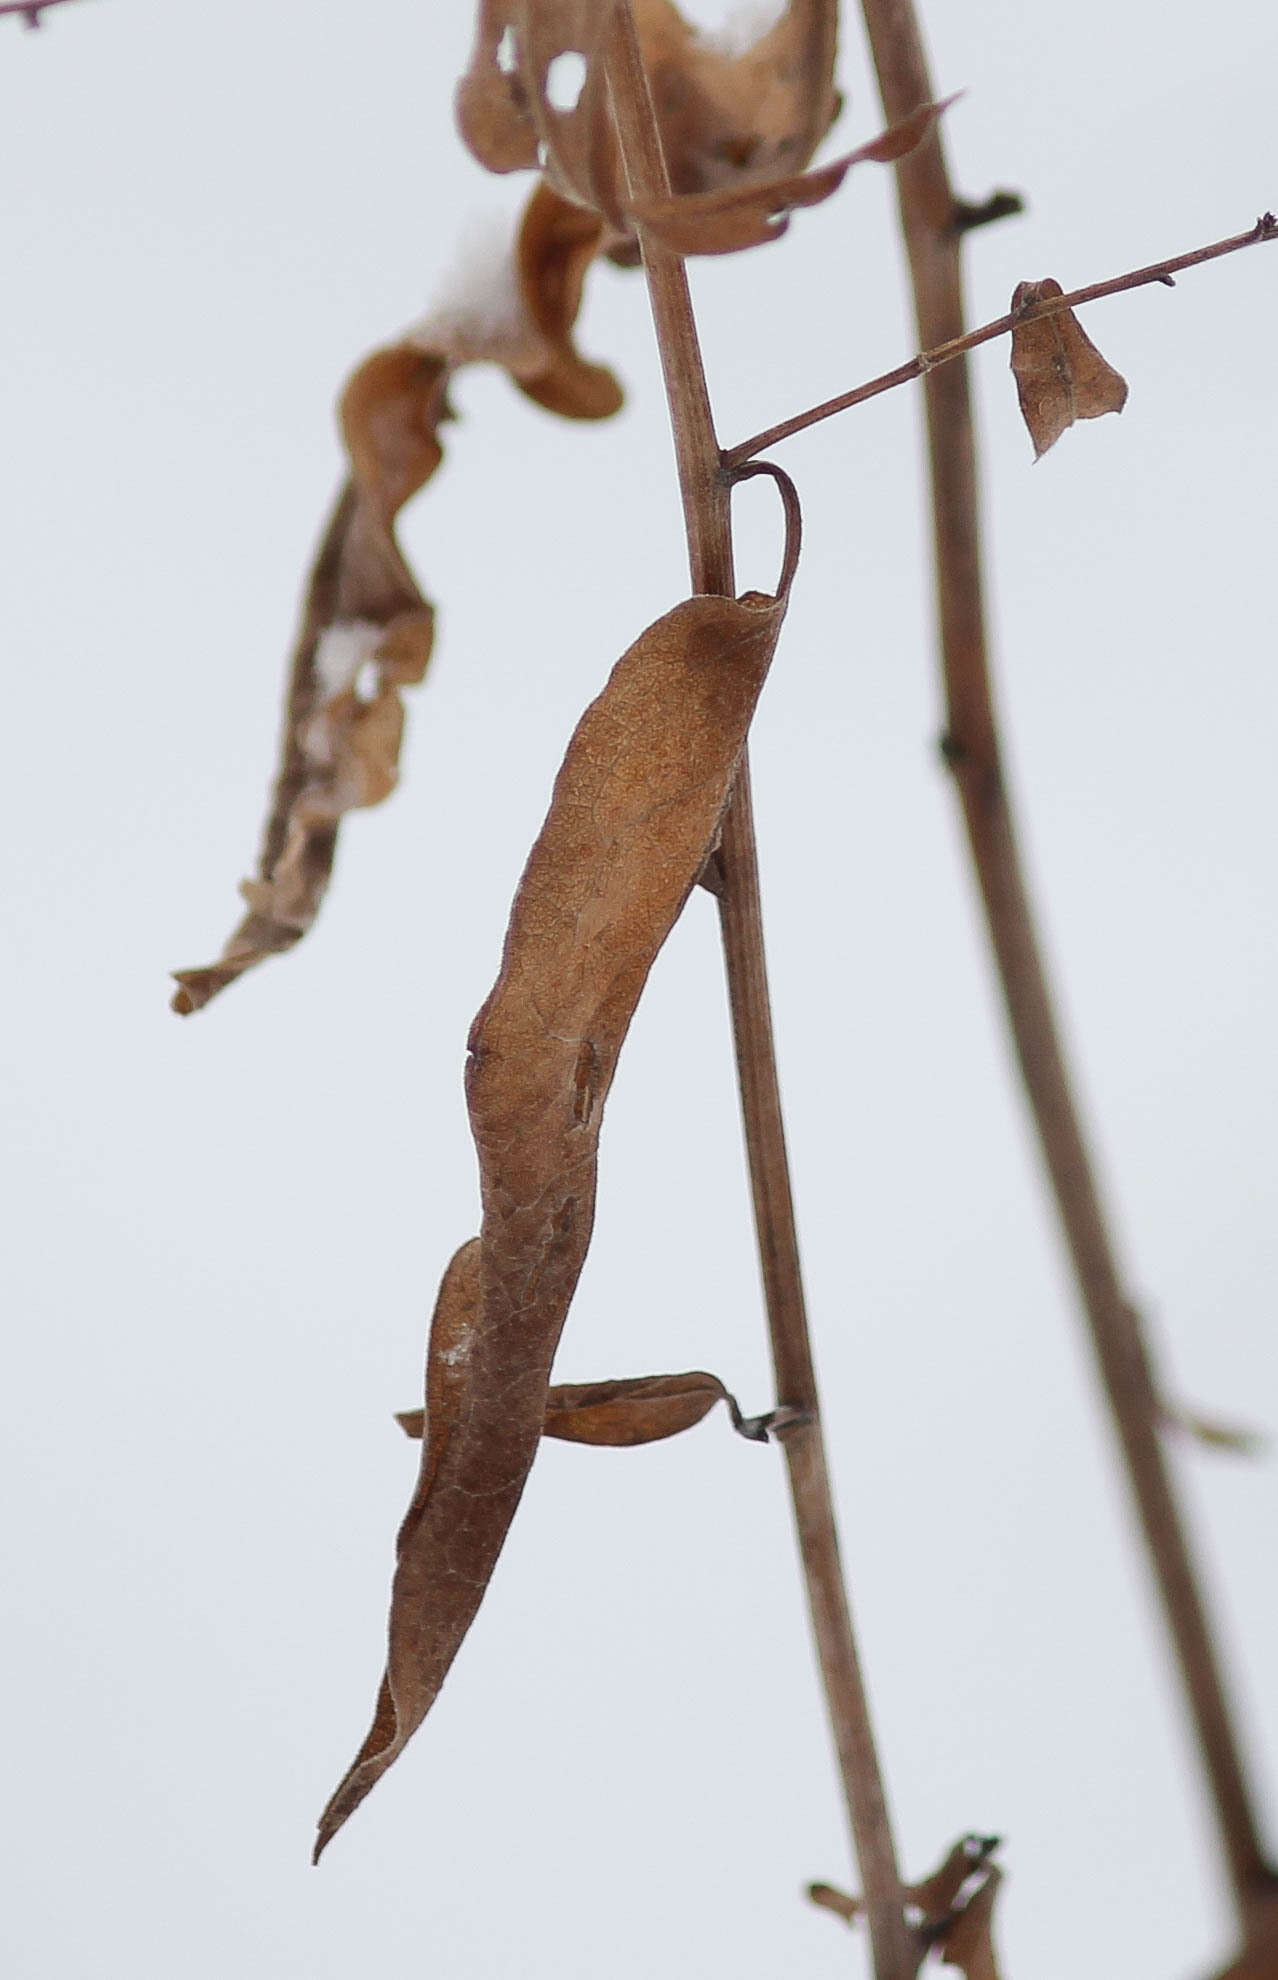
(706, 492)
(30, 10)
(927, 207)
(1265, 229)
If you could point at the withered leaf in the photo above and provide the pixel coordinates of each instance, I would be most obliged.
(968, 1942)
(493, 112)
(637, 1409)
(557, 243)
(757, 113)
(744, 216)
(726, 117)
(366, 630)
(958, 1925)
(641, 1410)
(634, 810)
(936, 1895)
(575, 142)
(1060, 374)
(412, 1644)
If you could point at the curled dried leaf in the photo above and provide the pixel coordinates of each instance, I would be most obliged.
(493, 113)
(637, 1409)
(412, 1644)
(634, 811)
(367, 630)
(640, 1410)
(951, 1910)
(967, 1942)
(936, 1895)
(731, 114)
(1060, 374)
(557, 243)
(744, 216)
(553, 40)
(728, 116)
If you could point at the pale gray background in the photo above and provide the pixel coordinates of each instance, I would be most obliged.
(227, 1233)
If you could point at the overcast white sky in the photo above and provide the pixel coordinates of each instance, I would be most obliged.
(227, 1232)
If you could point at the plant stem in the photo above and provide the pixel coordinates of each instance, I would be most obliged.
(31, 10)
(972, 749)
(706, 492)
(1265, 229)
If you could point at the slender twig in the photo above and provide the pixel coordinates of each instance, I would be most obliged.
(706, 493)
(972, 750)
(30, 10)
(1265, 229)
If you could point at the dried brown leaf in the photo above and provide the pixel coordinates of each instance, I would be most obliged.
(493, 113)
(634, 811)
(576, 144)
(641, 1410)
(960, 1927)
(936, 1894)
(637, 1409)
(968, 1942)
(1060, 374)
(412, 1645)
(557, 243)
(367, 631)
(744, 216)
(727, 117)
(758, 113)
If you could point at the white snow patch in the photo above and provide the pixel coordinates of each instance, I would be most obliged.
(743, 26)
(340, 652)
(480, 313)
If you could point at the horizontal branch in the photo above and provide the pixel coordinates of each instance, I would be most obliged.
(1265, 229)
(30, 10)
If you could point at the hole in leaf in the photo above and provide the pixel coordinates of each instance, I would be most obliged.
(507, 53)
(368, 681)
(565, 80)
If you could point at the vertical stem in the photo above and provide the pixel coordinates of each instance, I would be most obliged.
(928, 208)
(895, 1950)
(705, 491)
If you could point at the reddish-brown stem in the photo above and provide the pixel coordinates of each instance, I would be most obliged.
(706, 493)
(30, 10)
(927, 208)
(1265, 229)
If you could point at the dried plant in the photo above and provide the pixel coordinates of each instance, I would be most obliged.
(651, 143)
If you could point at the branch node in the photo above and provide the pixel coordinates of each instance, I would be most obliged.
(951, 749)
(762, 1429)
(1000, 205)
(711, 874)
